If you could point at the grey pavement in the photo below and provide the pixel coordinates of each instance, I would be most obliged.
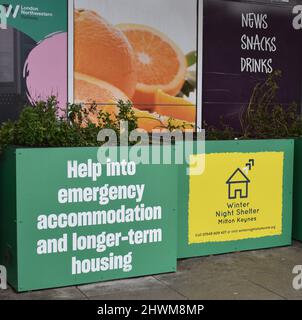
(262, 274)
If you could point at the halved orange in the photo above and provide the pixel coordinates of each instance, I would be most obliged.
(160, 63)
(89, 90)
(148, 121)
(174, 107)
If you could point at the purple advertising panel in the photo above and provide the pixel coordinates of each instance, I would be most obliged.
(245, 42)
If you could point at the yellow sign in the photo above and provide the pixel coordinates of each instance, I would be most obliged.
(239, 196)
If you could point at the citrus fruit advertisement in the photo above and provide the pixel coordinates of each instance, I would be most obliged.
(33, 54)
(142, 51)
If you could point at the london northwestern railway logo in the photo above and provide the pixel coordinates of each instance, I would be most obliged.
(7, 11)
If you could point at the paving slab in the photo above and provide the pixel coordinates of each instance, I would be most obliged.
(216, 284)
(262, 274)
(152, 294)
(272, 269)
(68, 293)
(144, 288)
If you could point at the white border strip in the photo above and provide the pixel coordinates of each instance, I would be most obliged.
(70, 50)
(200, 63)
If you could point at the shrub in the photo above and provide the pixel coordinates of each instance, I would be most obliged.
(40, 126)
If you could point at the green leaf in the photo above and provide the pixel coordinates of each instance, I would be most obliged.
(191, 58)
(190, 84)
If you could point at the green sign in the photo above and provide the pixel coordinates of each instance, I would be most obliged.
(297, 199)
(66, 219)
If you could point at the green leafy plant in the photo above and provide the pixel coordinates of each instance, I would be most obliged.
(171, 126)
(225, 132)
(264, 118)
(41, 126)
(126, 113)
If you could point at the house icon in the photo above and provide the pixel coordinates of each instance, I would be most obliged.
(238, 185)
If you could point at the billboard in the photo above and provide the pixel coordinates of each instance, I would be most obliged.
(33, 53)
(180, 63)
(244, 42)
(142, 51)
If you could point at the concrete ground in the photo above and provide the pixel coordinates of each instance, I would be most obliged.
(263, 274)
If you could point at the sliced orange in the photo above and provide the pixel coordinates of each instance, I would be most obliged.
(148, 121)
(179, 124)
(174, 107)
(105, 95)
(153, 121)
(89, 90)
(160, 63)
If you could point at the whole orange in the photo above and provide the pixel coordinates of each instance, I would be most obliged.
(103, 51)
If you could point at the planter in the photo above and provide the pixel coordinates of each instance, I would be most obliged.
(54, 232)
(242, 201)
(297, 200)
